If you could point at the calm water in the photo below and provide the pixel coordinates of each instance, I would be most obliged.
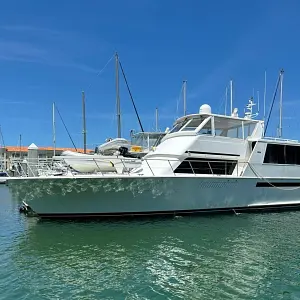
(221, 257)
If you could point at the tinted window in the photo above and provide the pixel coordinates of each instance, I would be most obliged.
(206, 166)
(282, 154)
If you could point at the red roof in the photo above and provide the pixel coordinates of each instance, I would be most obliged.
(25, 149)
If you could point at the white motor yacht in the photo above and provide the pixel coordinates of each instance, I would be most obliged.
(206, 163)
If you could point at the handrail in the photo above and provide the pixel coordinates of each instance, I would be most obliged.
(279, 139)
(51, 167)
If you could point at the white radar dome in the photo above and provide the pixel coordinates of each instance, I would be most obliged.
(205, 109)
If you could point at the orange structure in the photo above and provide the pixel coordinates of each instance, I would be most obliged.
(24, 149)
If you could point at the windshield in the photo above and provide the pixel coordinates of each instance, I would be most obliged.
(193, 123)
(179, 125)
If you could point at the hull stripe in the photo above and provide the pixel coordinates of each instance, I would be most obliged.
(277, 184)
(248, 209)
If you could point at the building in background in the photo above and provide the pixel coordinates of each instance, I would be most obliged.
(16, 152)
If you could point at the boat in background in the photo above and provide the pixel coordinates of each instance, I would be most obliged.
(111, 146)
(116, 155)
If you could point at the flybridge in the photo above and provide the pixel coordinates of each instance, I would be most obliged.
(217, 125)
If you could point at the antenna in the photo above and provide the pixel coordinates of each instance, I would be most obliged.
(280, 104)
(231, 97)
(118, 96)
(53, 128)
(249, 107)
(265, 92)
(184, 97)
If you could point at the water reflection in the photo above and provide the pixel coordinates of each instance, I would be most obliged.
(222, 257)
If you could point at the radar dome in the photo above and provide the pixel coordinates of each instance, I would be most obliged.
(205, 109)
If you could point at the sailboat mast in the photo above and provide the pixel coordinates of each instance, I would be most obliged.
(118, 96)
(20, 146)
(226, 98)
(231, 97)
(84, 122)
(156, 119)
(184, 97)
(265, 92)
(53, 128)
(258, 102)
(280, 105)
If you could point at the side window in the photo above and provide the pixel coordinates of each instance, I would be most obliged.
(206, 166)
(248, 129)
(236, 132)
(282, 154)
(206, 129)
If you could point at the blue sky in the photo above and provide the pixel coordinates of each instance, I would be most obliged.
(52, 50)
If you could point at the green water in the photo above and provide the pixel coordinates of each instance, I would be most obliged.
(222, 257)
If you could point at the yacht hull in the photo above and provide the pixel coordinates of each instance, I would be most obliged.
(132, 195)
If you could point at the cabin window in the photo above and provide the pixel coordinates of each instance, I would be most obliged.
(206, 166)
(282, 154)
(236, 132)
(238, 129)
(248, 128)
(206, 129)
(192, 124)
(178, 126)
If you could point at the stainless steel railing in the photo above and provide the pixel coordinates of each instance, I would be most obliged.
(101, 166)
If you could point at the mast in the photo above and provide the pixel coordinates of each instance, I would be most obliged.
(118, 96)
(231, 97)
(20, 145)
(226, 99)
(84, 122)
(184, 97)
(2, 138)
(53, 128)
(2, 144)
(156, 119)
(265, 92)
(258, 101)
(280, 105)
